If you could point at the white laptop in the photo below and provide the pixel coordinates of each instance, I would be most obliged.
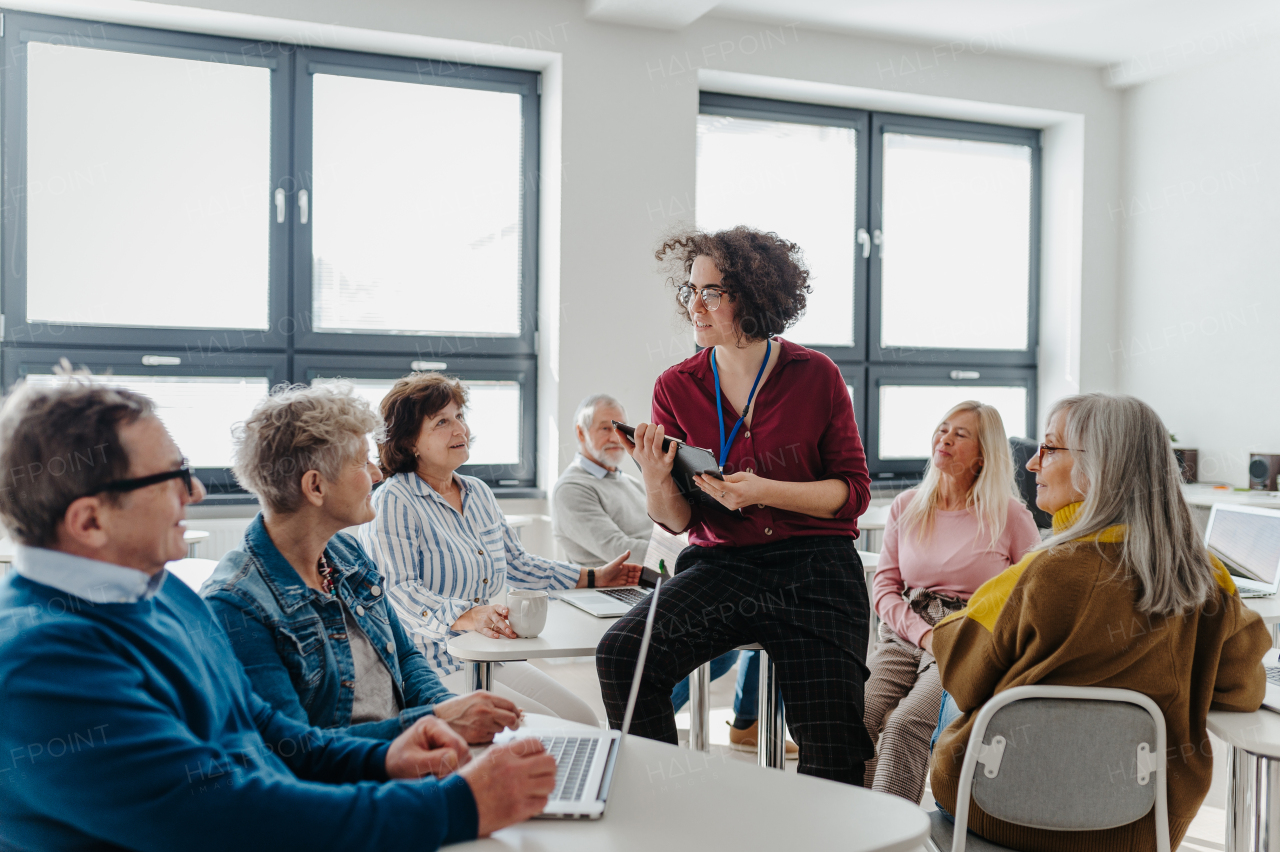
(612, 602)
(1247, 540)
(586, 760)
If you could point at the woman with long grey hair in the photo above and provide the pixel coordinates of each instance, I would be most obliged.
(963, 525)
(1123, 595)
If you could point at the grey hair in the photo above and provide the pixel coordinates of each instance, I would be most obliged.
(296, 429)
(587, 409)
(1125, 467)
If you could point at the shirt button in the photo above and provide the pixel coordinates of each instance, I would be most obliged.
(748, 435)
(750, 470)
(479, 553)
(759, 505)
(426, 614)
(375, 591)
(485, 580)
(768, 531)
(476, 600)
(391, 646)
(359, 610)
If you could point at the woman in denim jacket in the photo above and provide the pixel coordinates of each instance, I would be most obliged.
(303, 606)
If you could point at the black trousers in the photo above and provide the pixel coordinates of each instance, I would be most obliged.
(803, 599)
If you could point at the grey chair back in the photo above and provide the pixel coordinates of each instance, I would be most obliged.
(1065, 758)
(1068, 765)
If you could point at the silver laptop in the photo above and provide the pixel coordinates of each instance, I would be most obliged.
(1271, 662)
(1247, 540)
(585, 762)
(605, 603)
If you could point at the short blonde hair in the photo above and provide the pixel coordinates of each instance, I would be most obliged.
(296, 429)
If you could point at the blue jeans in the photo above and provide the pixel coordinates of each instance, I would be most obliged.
(947, 713)
(746, 703)
(720, 665)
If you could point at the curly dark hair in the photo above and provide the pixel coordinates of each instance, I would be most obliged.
(764, 275)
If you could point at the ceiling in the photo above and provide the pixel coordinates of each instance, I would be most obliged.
(1135, 39)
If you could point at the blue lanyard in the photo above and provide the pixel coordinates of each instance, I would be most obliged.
(715, 371)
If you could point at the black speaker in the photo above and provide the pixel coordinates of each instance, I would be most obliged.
(1189, 461)
(1263, 468)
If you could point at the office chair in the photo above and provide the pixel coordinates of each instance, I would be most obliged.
(1023, 449)
(1066, 758)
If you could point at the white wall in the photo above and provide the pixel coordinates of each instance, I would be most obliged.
(628, 100)
(1200, 304)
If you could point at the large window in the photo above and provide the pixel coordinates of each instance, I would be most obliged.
(922, 239)
(205, 217)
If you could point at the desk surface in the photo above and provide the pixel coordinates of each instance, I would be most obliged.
(1206, 495)
(570, 632)
(1268, 608)
(666, 796)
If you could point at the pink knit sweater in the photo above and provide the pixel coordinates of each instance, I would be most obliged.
(954, 559)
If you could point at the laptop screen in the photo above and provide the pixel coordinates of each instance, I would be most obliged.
(1247, 541)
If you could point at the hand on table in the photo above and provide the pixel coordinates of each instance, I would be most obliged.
(510, 783)
(616, 573)
(428, 747)
(477, 716)
(488, 620)
(735, 491)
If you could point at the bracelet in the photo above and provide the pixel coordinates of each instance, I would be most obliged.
(591, 578)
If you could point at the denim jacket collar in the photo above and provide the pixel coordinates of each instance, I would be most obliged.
(285, 584)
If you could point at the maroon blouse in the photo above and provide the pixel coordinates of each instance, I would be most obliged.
(803, 430)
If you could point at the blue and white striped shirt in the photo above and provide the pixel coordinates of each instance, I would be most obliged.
(438, 564)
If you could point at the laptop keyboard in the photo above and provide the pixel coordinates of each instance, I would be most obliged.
(627, 596)
(573, 761)
(1273, 674)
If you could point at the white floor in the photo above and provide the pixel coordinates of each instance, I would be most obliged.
(579, 675)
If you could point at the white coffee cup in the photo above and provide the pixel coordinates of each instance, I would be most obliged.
(528, 612)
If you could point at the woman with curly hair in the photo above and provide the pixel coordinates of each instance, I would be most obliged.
(771, 556)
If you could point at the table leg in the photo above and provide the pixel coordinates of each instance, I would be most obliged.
(481, 676)
(1253, 802)
(772, 730)
(699, 707)
(191, 549)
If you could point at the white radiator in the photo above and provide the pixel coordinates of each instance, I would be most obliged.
(224, 534)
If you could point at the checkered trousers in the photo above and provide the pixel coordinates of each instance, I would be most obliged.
(803, 599)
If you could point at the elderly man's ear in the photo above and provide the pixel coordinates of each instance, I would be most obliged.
(82, 524)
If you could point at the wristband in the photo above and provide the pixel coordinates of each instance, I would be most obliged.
(591, 578)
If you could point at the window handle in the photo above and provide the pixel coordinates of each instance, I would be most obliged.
(865, 241)
(279, 206)
(878, 238)
(303, 205)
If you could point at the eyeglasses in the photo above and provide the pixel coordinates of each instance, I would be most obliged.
(1045, 448)
(710, 295)
(123, 485)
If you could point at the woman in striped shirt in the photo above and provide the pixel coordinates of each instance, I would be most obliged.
(445, 549)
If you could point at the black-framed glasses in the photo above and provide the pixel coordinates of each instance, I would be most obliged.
(1045, 448)
(710, 295)
(123, 485)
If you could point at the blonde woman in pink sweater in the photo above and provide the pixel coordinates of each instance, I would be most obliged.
(962, 526)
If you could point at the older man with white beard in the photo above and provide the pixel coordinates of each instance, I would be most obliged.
(595, 507)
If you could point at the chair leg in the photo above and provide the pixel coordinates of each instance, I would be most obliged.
(700, 707)
(771, 744)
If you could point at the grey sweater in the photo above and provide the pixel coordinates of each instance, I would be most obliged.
(596, 519)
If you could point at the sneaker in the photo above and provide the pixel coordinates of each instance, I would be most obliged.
(745, 739)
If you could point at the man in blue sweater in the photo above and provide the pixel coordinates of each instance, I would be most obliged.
(126, 721)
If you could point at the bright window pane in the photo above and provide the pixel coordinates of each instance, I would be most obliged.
(198, 411)
(909, 414)
(956, 255)
(416, 208)
(800, 181)
(149, 184)
(493, 414)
